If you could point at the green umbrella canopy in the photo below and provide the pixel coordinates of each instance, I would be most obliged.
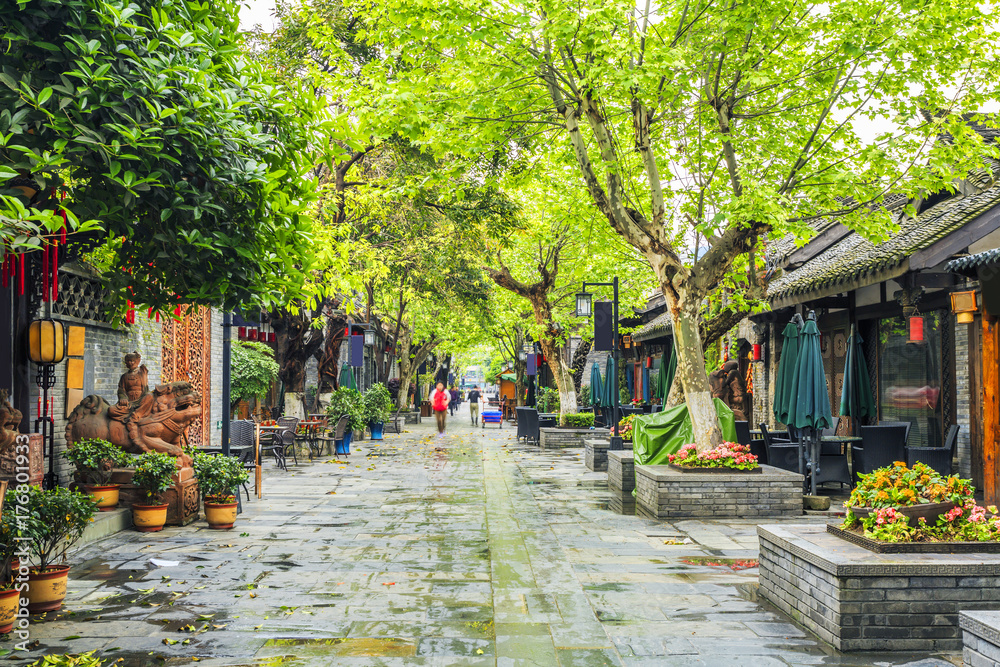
(786, 371)
(610, 382)
(810, 404)
(596, 386)
(347, 378)
(856, 399)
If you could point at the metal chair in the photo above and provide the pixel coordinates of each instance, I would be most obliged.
(288, 436)
(395, 423)
(241, 440)
(339, 429)
(938, 458)
(780, 454)
(880, 446)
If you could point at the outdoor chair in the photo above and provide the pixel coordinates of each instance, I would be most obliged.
(241, 445)
(395, 423)
(522, 423)
(880, 447)
(831, 448)
(780, 454)
(532, 434)
(939, 458)
(744, 438)
(657, 408)
(337, 435)
(287, 436)
(906, 435)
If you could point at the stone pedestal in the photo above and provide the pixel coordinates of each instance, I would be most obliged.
(35, 466)
(558, 438)
(980, 638)
(662, 492)
(182, 499)
(621, 481)
(596, 454)
(858, 600)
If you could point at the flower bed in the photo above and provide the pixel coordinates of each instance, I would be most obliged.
(625, 428)
(891, 491)
(727, 455)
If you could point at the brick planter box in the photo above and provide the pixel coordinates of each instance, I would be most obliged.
(595, 454)
(858, 600)
(621, 481)
(663, 492)
(981, 638)
(559, 438)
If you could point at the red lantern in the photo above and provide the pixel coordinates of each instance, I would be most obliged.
(756, 352)
(272, 337)
(243, 333)
(916, 329)
(649, 362)
(252, 333)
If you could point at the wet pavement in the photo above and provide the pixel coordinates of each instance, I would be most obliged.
(470, 549)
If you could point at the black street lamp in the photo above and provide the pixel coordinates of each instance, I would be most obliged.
(584, 308)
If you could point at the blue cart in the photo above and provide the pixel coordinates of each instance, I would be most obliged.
(492, 417)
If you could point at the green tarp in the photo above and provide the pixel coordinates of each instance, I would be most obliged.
(659, 435)
(347, 378)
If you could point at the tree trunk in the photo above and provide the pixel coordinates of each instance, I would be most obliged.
(580, 364)
(329, 359)
(405, 369)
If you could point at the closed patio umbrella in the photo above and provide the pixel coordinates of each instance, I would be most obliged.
(786, 369)
(630, 380)
(347, 378)
(856, 400)
(610, 382)
(530, 398)
(596, 386)
(668, 369)
(809, 409)
(645, 384)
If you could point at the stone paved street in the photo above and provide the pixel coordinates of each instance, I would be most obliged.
(466, 550)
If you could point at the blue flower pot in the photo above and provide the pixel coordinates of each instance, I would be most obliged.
(344, 446)
(376, 429)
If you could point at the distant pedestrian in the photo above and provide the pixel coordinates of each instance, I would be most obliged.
(474, 404)
(440, 398)
(456, 399)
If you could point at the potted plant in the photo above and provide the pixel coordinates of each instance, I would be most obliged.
(50, 522)
(346, 401)
(376, 403)
(95, 461)
(218, 477)
(154, 474)
(9, 595)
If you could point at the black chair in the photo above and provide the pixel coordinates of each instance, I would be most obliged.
(938, 458)
(241, 445)
(907, 425)
(522, 423)
(880, 446)
(395, 423)
(757, 447)
(532, 434)
(780, 454)
(288, 436)
(337, 434)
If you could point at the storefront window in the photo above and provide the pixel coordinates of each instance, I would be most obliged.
(910, 377)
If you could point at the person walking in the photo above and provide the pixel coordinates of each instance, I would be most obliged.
(440, 399)
(456, 399)
(474, 404)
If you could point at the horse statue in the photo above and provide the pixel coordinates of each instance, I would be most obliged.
(157, 422)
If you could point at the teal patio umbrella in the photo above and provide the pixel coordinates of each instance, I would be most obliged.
(665, 379)
(596, 386)
(645, 384)
(809, 408)
(347, 378)
(786, 369)
(610, 382)
(856, 400)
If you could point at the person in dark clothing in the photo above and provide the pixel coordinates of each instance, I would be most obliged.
(456, 399)
(474, 404)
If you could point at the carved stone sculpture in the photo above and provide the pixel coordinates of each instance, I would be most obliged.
(10, 422)
(727, 385)
(132, 388)
(157, 423)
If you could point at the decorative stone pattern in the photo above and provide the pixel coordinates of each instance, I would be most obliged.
(558, 438)
(858, 600)
(35, 468)
(980, 637)
(665, 493)
(596, 454)
(182, 498)
(187, 356)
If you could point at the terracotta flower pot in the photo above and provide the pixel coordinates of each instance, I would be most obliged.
(149, 518)
(220, 516)
(8, 609)
(105, 497)
(928, 511)
(47, 588)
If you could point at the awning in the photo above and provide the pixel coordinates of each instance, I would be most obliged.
(659, 327)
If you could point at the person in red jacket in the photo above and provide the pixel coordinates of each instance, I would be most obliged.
(440, 398)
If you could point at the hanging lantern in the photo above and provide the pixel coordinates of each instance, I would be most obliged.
(649, 362)
(916, 327)
(252, 333)
(243, 333)
(963, 304)
(272, 337)
(584, 304)
(756, 351)
(46, 341)
(627, 341)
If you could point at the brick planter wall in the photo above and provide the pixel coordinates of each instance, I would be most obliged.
(980, 637)
(858, 600)
(665, 493)
(621, 481)
(596, 454)
(558, 438)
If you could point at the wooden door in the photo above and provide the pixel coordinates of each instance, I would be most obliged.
(991, 408)
(187, 354)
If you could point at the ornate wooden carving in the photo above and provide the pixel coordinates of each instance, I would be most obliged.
(187, 354)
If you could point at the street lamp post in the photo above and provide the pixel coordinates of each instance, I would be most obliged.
(584, 308)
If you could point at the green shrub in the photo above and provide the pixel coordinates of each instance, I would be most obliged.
(376, 403)
(346, 401)
(55, 520)
(218, 476)
(547, 399)
(579, 419)
(154, 473)
(95, 460)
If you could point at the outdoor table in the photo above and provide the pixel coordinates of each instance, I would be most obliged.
(312, 429)
(842, 440)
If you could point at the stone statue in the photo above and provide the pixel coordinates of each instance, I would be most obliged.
(727, 385)
(157, 423)
(132, 387)
(10, 422)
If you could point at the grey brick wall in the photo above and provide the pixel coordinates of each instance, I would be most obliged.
(621, 471)
(963, 401)
(664, 493)
(595, 454)
(557, 438)
(980, 637)
(104, 350)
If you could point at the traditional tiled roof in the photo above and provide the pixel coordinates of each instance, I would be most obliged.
(967, 265)
(660, 326)
(854, 260)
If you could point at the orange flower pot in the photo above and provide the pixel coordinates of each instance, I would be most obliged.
(149, 518)
(47, 588)
(220, 516)
(8, 609)
(105, 497)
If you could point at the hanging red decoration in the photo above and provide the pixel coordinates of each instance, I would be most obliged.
(55, 270)
(756, 351)
(252, 333)
(45, 271)
(272, 337)
(916, 329)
